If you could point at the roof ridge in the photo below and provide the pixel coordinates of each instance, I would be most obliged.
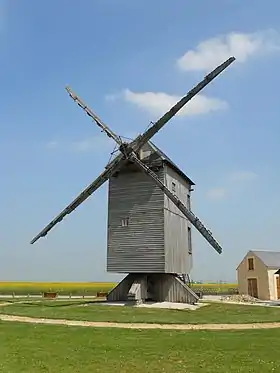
(265, 251)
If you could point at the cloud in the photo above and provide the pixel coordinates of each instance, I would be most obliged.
(216, 194)
(113, 96)
(211, 52)
(242, 176)
(157, 103)
(85, 145)
(97, 143)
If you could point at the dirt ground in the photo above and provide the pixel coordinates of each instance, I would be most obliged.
(93, 324)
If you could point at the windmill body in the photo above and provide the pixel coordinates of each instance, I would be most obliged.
(146, 232)
(149, 213)
(148, 237)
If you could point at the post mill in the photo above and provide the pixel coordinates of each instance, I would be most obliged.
(149, 213)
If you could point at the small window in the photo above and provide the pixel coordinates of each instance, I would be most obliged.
(124, 222)
(250, 264)
(173, 187)
(188, 201)
(189, 240)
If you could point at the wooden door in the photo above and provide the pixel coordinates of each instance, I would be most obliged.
(253, 287)
(278, 286)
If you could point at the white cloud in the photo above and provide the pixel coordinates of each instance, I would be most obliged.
(211, 52)
(97, 143)
(157, 103)
(85, 145)
(113, 96)
(216, 194)
(52, 144)
(242, 176)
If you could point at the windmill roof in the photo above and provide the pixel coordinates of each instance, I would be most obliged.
(165, 158)
(269, 258)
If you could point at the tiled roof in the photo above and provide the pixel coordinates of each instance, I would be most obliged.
(269, 258)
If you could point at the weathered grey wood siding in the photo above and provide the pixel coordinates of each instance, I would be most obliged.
(156, 237)
(120, 292)
(158, 287)
(168, 288)
(139, 246)
(177, 229)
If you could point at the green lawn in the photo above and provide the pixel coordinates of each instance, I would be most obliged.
(29, 348)
(212, 313)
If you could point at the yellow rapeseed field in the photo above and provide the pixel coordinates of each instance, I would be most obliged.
(216, 285)
(60, 287)
(90, 288)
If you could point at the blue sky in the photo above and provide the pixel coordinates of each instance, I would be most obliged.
(130, 61)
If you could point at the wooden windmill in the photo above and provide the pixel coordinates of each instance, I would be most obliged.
(149, 214)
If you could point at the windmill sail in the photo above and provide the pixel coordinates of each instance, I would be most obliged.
(86, 193)
(189, 214)
(180, 104)
(139, 141)
(129, 151)
(91, 114)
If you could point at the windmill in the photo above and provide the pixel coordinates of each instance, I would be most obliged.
(149, 213)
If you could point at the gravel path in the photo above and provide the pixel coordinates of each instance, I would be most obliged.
(96, 324)
(11, 303)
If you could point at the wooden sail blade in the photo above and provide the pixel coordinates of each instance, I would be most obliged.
(189, 214)
(142, 139)
(86, 193)
(91, 114)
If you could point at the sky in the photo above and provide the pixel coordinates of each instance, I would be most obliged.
(130, 61)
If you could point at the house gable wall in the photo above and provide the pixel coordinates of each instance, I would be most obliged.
(259, 272)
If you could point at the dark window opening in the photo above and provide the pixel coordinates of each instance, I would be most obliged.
(250, 264)
(124, 222)
(189, 240)
(188, 201)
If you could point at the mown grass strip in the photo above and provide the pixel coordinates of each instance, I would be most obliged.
(43, 348)
(219, 313)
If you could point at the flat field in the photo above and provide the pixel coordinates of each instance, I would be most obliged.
(217, 313)
(63, 288)
(27, 348)
(91, 288)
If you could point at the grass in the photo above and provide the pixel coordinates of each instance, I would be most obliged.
(213, 313)
(91, 288)
(54, 349)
